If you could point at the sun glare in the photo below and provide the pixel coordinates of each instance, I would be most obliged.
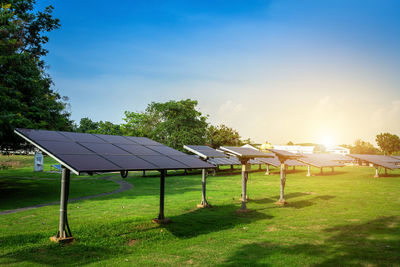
(327, 141)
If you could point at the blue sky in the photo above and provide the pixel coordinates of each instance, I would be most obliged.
(306, 71)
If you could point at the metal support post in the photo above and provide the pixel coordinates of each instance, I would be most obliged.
(376, 172)
(161, 219)
(245, 176)
(64, 233)
(308, 170)
(267, 171)
(283, 183)
(204, 202)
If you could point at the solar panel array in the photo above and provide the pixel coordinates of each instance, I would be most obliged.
(316, 160)
(83, 152)
(276, 163)
(335, 157)
(284, 153)
(224, 161)
(378, 160)
(245, 152)
(204, 151)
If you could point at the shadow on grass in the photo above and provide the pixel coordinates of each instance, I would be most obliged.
(327, 172)
(51, 254)
(374, 243)
(214, 219)
(294, 204)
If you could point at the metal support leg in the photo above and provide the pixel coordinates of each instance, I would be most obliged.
(322, 172)
(308, 170)
(244, 186)
(64, 233)
(376, 172)
(282, 200)
(161, 219)
(231, 167)
(267, 171)
(333, 169)
(204, 202)
(144, 174)
(259, 167)
(294, 168)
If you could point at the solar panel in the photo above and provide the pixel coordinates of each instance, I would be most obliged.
(138, 150)
(378, 160)
(284, 154)
(167, 151)
(224, 161)
(335, 157)
(82, 137)
(245, 152)
(143, 141)
(276, 163)
(316, 161)
(104, 149)
(46, 135)
(205, 151)
(115, 139)
(64, 147)
(81, 152)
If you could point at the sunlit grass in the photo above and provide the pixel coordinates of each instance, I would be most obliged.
(349, 218)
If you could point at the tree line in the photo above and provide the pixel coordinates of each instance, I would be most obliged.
(173, 123)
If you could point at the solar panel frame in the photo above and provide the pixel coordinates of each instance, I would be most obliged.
(378, 160)
(313, 160)
(205, 151)
(244, 152)
(284, 153)
(100, 161)
(276, 163)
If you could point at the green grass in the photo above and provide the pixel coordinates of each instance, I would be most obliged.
(348, 218)
(20, 186)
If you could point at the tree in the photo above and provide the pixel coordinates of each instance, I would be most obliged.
(139, 124)
(388, 143)
(290, 143)
(26, 95)
(174, 123)
(362, 147)
(222, 135)
(87, 125)
(107, 127)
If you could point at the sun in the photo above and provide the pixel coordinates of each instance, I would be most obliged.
(327, 141)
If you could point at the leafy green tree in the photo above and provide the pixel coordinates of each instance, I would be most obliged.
(362, 147)
(107, 127)
(389, 143)
(222, 135)
(174, 123)
(290, 143)
(139, 124)
(26, 95)
(87, 125)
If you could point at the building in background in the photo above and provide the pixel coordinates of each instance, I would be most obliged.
(337, 150)
(297, 149)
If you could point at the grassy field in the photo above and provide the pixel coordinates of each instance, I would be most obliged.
(345, 219)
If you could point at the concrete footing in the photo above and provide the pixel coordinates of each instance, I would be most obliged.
(64, 240)
(282, 203)
(203, 205)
